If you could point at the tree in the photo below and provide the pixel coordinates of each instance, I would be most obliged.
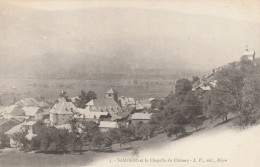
(170, 97)
(73, 124)
(221, 104)
(143, 130)
(227, 95)
(250, 113)
(157, 104)
(251, 92)
(65, 96)
(126, 135)
(20, 139)
(111, 137)
(98, 140)
(196, 122)
(247, 65)
(175, 129)
(114, 135)
(183, 86)
(192, 105)
(179, 109)
(91, 95)
(4, 140)
(51, 139)
(84, 98)
(206, 102)
(89, 129)
(195, 79)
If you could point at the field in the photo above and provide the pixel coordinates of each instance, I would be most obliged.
(51, 88)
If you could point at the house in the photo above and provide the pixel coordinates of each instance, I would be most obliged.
(47, 122)
(31, 102)
(7, 124)
(28, 127)
(22, 118)
(62, 112)
(139, 117)
(102, 105)
(93, 116)
(46, 113)
(11, 111)
(26, 102)
(16, 129)
(203, 87)
(64, 126)
(43, 105)
(34, 113)
(104, 126)
(108, 104)
(69, 128)
(144, 103)
(126, 101)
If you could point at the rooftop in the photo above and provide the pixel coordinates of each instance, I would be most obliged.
(2, 122)
(141, 116)
(64, 126)
(91, 115)
(8, 110)
(30, 111)
(108, 124)
(104, 104)
(30, 123)
(63, 107)
(15, 129)
(111, 91)
(249, 53)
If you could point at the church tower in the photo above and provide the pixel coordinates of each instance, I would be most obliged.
(112, 94)
(250, 54)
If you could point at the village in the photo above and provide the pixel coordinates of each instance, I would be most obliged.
(108, 112)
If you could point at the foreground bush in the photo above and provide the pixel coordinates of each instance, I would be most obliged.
(246, 119)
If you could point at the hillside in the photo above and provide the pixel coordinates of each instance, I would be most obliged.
(231, 147)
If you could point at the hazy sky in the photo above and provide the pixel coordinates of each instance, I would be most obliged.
(236, 9)
(200, 32)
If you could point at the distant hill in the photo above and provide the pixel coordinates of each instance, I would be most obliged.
(38, 43)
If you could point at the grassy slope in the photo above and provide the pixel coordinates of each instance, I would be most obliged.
(10, 158)
(238, 148)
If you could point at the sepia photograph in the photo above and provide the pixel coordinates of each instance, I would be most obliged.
(133, 83)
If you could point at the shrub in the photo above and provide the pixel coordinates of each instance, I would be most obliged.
(4, 141)
(246, 119)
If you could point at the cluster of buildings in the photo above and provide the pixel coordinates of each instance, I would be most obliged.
(108, 112)
(208, 81)
(22, 115)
